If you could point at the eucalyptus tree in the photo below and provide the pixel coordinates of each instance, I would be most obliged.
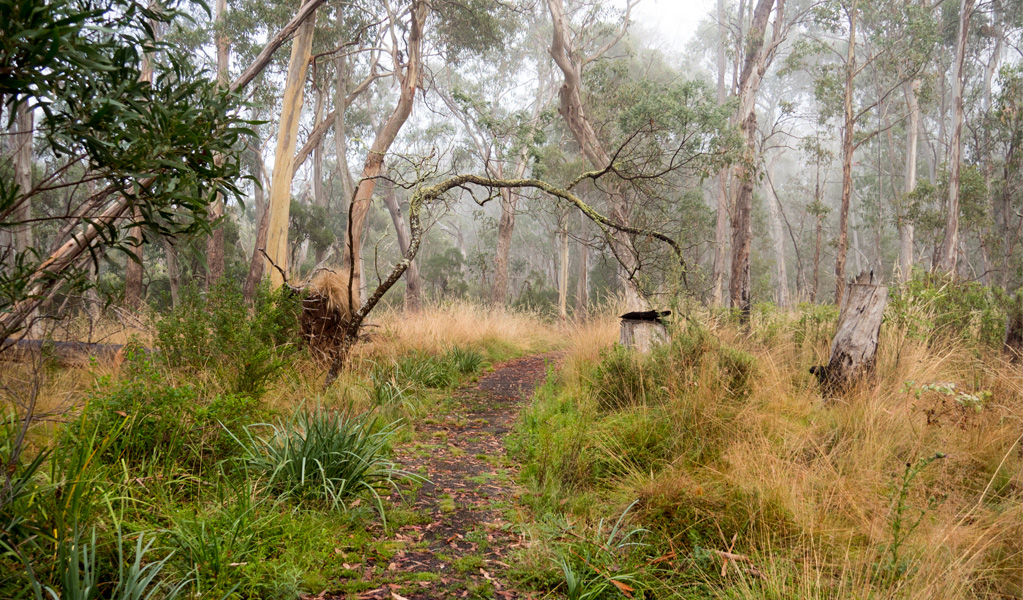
(501, 131)
(118, 142)
(852, 43)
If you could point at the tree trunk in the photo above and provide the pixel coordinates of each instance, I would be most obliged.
(906, 227)
(319, 193)
(950, 248)
(173, 272)
(262, 224)
(215, 245)
(133, 267)
(847, 159)
(777, 236)
(413, 287)
(505, 229)
(854, 347)
(280, 187)
(409, 82)
(572, 110)
(23, 175)
(582, 289)
(563, 272)
(721, 187)
(758, 56)
(817, 260)
(987, 232)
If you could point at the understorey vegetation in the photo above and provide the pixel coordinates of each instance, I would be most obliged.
(734, 477)
(210, 463)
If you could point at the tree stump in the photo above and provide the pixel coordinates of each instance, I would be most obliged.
(854, 347)
(642, 331)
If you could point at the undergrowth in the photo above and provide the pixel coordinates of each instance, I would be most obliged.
(751, 484)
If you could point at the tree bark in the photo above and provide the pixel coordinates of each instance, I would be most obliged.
(215, 245)
(319, 193)
(409, 82)
(582, 289)
(1014, 328)
(906, 227)
(413, 286)
(563, 271)
(280, 187)
(950, 248)
(255, 274)
(173, 272)
(721, 187)
(847, 159)
(23, 175)
(572, 110)
(854, 347)
(777, 236)
(759, 54)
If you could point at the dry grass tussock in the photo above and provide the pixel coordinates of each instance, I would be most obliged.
(835, 497)
(498, 331)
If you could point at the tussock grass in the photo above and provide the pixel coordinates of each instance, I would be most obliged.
(808, 485)
(499, 332)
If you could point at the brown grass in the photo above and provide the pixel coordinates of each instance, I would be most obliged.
(806, 481)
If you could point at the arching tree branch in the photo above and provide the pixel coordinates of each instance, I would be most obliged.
(427, 195)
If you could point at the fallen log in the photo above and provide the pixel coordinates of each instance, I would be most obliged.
(854, 347)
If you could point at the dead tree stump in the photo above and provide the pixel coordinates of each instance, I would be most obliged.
(854, 347)
(641, 331)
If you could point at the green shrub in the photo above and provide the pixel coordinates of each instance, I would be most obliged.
(933, 308)
(330, 455)
(216, 334)
(159, 419)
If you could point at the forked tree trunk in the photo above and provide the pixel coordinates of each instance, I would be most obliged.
(854, 347)
(409, 81)
(573, 112)
(280, 187)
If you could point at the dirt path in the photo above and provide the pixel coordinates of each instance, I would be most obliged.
(459, 547)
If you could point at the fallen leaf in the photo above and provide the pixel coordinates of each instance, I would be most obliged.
(625, 589)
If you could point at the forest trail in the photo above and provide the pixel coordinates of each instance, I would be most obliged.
(460, 548)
